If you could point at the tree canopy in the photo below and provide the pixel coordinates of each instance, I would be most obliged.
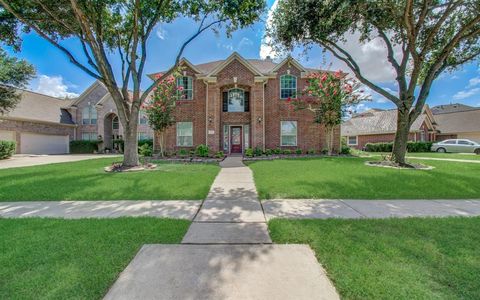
(14, 73)
(433, 36)
(120, 29)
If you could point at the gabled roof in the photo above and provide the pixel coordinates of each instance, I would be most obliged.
(449, 108)
(456, 122)
(231, 58)
(289, 60)
(376, 121)
(259, 67)
(41, 108)
(86, 92)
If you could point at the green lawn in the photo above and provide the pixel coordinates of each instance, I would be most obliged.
(74, 259)
(86, 180)
(436, 155)
(393, 258)
(349, 178)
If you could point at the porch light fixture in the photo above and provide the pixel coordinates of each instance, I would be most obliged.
(259, 119)
(234, 79)
(210, 119)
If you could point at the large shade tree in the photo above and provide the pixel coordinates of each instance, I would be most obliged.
(118, 30)
(423, 38)
(14, 73)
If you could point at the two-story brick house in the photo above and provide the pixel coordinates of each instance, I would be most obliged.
(238, 103)
(229, 105)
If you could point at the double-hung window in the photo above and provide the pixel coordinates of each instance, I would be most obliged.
(288, 87)
(352, 140)
(184, 134)
(288, 133)
(89, 115)
(185, 85)
(89, 136)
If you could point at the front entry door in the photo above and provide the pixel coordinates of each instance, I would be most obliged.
(236, 139)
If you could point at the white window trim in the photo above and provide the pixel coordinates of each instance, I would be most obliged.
(176, 134)
(91, 110)
(356, 140)
(296, 86)
(184, 89)
(296, 135)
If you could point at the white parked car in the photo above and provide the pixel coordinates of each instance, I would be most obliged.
(457, 146)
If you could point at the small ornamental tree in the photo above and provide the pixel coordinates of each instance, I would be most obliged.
(160, 107)
(329, 97)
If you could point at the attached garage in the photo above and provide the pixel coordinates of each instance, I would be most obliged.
(33, 143)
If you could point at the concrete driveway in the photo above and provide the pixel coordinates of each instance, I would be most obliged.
(24, 160)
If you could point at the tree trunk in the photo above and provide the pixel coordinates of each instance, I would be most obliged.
(329, 139)
(401, 136)
(130, 156)
(161, 143)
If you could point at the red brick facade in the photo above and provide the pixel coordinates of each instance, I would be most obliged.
(262, 120)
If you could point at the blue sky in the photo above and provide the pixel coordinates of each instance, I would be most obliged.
(58, 77)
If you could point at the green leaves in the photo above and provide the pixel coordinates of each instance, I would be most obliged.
(14, 73)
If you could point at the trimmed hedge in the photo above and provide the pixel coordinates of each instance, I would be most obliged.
(7, 149)
(82, 147)
(387, 147)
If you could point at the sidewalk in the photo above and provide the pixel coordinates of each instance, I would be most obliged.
(355, 209)
(226, 254)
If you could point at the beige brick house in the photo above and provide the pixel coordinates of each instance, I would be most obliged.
(229, 105)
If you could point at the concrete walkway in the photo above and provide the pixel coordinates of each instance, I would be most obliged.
(23, 160)
(226, 254)
(355, 209)
(231, 213)
(179, 209)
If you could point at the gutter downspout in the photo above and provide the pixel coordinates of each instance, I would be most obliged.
(206, 113)
(263, 116)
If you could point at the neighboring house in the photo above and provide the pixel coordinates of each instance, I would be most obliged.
(238, 103)
(377, 125)
(229, 105)
(457, 121)
(39, 124)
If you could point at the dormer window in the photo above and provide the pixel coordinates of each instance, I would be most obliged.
(89, 115)
(185, 86)
(288, 86)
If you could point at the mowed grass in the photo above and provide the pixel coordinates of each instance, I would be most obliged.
(392, 258)
(74, 259)
(350, 178)
(465, 156)
(86, 180)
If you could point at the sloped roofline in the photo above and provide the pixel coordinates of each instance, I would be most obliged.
(293, 61)
(86, 92)
(240, 59)
(183, 61)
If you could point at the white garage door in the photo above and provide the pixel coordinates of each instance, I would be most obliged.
(31, 143)
(7, 135)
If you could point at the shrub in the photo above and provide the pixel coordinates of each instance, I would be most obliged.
(287, 152)
(298, 151)
(257, 151)
(147, 141)
(345, 150)
(268, 152)
(311, 151)
(219, 154)
(182, 152)
(388, 147)
(145, 150)
(79, 147)
(7, 149)
(249, 152)
(278, 151)
(324, 151)
(202, 151)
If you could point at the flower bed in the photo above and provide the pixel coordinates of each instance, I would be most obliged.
(286, 156)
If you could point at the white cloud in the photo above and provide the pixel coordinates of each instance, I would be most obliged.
(228, 46)
(466, 93)
(474, 81)
(265, 48)
(161, 33)
(244, 42)
(53, 86)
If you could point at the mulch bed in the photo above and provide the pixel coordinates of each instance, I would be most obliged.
(394, 165)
